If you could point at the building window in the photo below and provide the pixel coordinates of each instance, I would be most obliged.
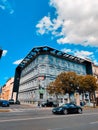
(41, 96)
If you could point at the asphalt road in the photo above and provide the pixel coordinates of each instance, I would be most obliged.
(29, 118)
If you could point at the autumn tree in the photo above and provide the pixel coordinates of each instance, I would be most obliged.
(52, 88)
(89, 84)
(69, 82)
(64, 83)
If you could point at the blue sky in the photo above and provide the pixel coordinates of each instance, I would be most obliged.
(67, 25)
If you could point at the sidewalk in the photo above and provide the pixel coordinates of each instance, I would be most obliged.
(35, 107)
(23, 107)
(5, 110)
(90, 107)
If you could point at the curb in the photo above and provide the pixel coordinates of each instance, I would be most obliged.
(5, 110)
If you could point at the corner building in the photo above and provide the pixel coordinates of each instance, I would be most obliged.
(40, 67)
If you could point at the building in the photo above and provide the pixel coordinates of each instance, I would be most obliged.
(40, 67)
(0, 92)
(95, 70)
(0, 86)
(95, 73)
(7, 89)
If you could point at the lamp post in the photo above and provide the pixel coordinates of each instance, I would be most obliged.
(77, 96)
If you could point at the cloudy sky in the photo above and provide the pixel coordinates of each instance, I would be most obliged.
(66, 25)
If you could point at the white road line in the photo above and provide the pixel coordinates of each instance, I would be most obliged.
(47, 117)
(56, 129)
(94, 122)
(35, 118)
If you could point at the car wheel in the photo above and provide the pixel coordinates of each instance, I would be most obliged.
(79, 111)
(53, 113)
(65, 112)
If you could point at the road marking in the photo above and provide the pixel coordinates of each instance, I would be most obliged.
(25, 109)
(57, 129)
(35, 118)
(48, 117)
(94, 122)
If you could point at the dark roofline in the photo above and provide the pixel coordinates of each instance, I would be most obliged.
(48, 50)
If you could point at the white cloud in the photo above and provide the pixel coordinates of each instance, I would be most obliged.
(84, 54)
(6, 6)
(66, 50)
(44, 25)
(2, 7)
(17, 61)
(95, 62)
(4, 52)
(81, 53)
(11, 11)
(75, 22)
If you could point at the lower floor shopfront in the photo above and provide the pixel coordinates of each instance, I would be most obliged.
(41, 95)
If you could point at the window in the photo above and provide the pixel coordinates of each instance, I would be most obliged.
(72, 105)
(41, 96)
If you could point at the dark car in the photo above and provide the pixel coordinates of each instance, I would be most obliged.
(49, 104)
(4, 103)
(82, 103)
(17, 102)
(67, 108)
(11, 101)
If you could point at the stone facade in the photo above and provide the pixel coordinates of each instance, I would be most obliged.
(7, 89)
(40, 67)
(95, 73)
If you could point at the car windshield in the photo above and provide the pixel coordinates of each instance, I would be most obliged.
(67, 104)
(11, 99)
(64, 105)
(4, 100)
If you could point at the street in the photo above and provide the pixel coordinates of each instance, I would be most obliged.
(28, 118)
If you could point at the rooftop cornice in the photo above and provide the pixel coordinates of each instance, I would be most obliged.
(48, 50)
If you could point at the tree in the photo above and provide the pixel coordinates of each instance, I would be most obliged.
(64, 83)
(80, 87)
(53, 89)
(69, 82)
(89, 84)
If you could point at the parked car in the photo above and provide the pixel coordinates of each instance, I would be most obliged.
(17, 102)
(4, 103)
(67, 108)
(49, 104)
(82, 103)
(11, 101)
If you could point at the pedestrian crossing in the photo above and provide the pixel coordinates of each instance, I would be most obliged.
(29, 109)
(20, 109)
